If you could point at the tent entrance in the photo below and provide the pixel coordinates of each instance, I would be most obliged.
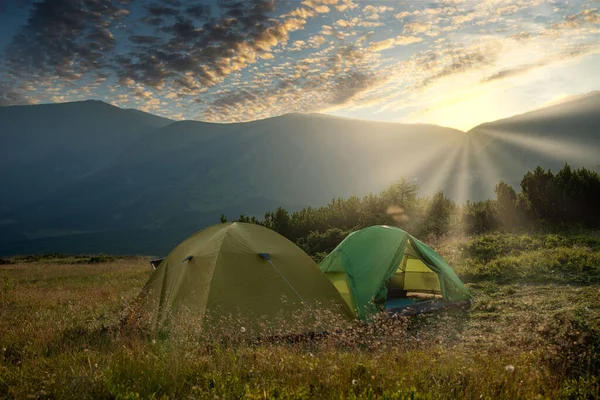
(412, 282)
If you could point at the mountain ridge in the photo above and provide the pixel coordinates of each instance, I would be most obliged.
(121, 180)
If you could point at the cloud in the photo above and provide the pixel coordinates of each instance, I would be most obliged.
(211, 50)
(140, 39)
(331, 80)
(9, 96)
(345, 5)
(347, 86)
(417, 27)
(571, 52)
(231, 60)
(521, 36)
(393, 42)
(347, 23)
(511, 72)
(198, 11)
(511, 9)
(70, 38)
(573, 21)
(372, 12)
(451, 62)
(462, 19)
(369, 24)
(65, 38)
(316, 41)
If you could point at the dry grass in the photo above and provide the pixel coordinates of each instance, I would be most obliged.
(61, 336)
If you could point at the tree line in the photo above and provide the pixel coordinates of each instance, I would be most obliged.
(547, 201)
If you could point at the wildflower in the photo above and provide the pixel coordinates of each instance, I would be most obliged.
(509, 368)
(243, 329)
(354, 382)
(153, 341)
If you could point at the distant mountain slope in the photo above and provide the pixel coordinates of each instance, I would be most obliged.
(45, 147)
(565, 132)
(183, 176)
(90, 177)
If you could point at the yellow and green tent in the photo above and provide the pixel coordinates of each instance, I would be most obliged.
(240, 269)
(385, 266)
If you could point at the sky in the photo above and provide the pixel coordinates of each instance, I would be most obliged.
(455, 63)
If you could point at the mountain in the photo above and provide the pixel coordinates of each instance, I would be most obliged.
(182, 176)
(46, 147)
(90, 177)
(566, 132)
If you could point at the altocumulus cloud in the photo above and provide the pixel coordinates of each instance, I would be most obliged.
(232, 60)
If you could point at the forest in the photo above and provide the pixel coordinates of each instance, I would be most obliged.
(565, 201)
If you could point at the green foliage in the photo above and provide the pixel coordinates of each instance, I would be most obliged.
(397, 205)
(401, 194)
(567, 197)
(57, 258)
(100, 258)
(7, 287)
(488, 247)
(509, 208)
(582, 388)
(553, 202)
(322, 243)
(563, 265)
(438, 217)
(280, 221)
(481, 217)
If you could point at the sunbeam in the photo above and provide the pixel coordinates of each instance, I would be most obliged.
(463, 178)
(444, 172)
(416, 165)
(491, 165)
(560, 150)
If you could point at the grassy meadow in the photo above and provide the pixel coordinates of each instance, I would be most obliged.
(533, 331)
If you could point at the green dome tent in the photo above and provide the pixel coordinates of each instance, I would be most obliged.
(238, 268)
(385, 265)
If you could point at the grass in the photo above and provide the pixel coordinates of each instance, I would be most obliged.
(533, 331)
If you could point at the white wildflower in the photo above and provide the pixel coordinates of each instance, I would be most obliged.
(243, 329)
(509, 368)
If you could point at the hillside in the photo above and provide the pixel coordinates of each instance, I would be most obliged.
(565, 132)
(88, 177)
(51, 145)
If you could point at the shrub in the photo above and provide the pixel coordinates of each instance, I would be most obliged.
(100, 258)
(481, 217)
(561, 265)
(322, 242)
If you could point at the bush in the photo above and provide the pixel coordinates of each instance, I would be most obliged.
(485, 248)
(322, 242)
(100, 258)
(560, 265)
(481, 217)
(438, 217)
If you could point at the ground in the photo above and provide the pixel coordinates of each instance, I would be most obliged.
(533, 331)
